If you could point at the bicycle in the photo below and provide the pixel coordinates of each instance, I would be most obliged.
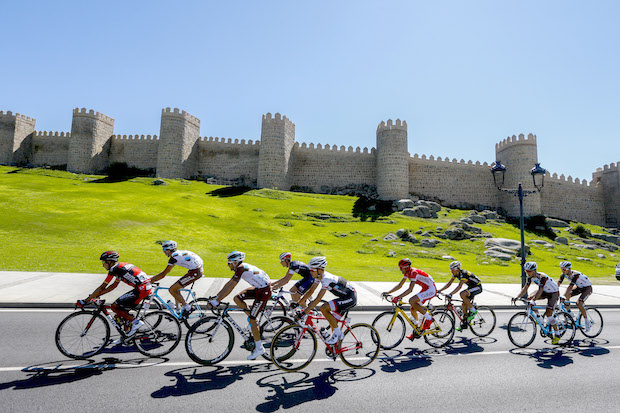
(85, 333)
(294, 346)
(522, 326)
(155, 302)
(391, 325)
(595, 317)
(483, 322)
(211, 339)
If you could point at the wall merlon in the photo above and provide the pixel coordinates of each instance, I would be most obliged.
(92, 114)
(277, 118)
(52, 134)
(10, 114)
(177, 113)
(514, 140)
(390, 125)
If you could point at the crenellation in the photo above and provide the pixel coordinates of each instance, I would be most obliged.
(181, 114)
(83, 112)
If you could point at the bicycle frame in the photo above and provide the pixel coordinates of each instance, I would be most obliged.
(399, 310)
(531, 311)
(156, 297)
(562, 307)
(104, 309)
(335, 349)
(276, 298)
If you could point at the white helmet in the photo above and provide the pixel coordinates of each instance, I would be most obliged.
(236, 257)
(566, 265)
(454, 265)
(285, 256)
(530, 266)
(317, 262)
(169, 245)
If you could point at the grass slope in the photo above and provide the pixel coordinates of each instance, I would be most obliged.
(59, 221)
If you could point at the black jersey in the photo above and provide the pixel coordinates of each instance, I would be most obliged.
(472, 280)
(302, 269)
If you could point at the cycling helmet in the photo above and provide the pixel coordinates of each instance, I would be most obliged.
(566, 265)
(530, 266)
(455, 265)
(236, 256)
(109, 256)
(169, 245)
(285, 256)
(317, 262)
(405, 262)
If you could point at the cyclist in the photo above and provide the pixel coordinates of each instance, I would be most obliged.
(474, 287)
(295, 267)
(583, 287)
(618, 272)
(415, 276)
(341, 288)
(186, 259)
(260, 292)
(547, 288)
(129, 274)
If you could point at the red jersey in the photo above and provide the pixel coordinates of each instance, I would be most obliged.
(128, 273)
(420, 278)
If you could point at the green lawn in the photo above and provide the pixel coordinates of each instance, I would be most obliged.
(59, 221)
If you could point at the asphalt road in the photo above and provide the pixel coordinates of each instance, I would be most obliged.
(474, 374)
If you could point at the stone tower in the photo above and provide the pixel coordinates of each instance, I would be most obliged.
(274, 158)
(179, 132)
(608, 178)
(16, 132)
(392, 160)
(518, 155)
(89, 146)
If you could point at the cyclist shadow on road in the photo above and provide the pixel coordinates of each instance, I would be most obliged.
(396, 360)
(295, 388)
(62, 372)
(197, 379)
(590, 347)
(465, 345)
(561, 356)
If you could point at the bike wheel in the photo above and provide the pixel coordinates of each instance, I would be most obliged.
(595, 318)
(293, 348)
(521, 329)
(209, 340)
(442, 329)
(360, 345)
(275, 308)
(566, 328)
(268, 330)
(200, 311)
(391, 328)
(160, 334)
(484, 322)
(83, 334)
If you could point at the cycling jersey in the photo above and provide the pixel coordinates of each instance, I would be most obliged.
(577, 278)
(469, 277)
(128, 273)
(543, 281)
(421, 278)
(185, 259)
(298, 267)
(335, 284)
(253, 275)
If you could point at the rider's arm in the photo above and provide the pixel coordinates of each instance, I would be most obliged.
(308, 294)
(458, 287)
(162, 274)
(538, 293)
(568, 290)
(282, 281)
(316, 301)
(104, 288)
(447, 285)
(523, 290)
(408, 290)
(226, 289)
(398, 287)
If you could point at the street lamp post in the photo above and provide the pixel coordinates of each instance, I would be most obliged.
(538, 177)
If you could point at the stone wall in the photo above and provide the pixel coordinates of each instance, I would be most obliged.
(90, 141)
(16, 133)
(392, 160)
(50, 148)
(138, 151)
(277, 140)
(574, 200)
(228, 159)
(179, 132)
(608, 178)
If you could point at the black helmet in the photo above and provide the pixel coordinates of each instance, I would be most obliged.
(109, 256)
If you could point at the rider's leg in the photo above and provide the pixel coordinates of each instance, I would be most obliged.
(239, 300)
(121, 312)
(327, 313)
(582, 309)
(174, 291)
(466, 302)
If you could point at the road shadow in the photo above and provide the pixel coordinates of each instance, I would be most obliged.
(295, 388)
(547, 358)
(466, 345)
(398, 361)
(62, 372)
(192, 380)
(590, 347)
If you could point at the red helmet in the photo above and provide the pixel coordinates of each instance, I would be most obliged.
(405, 262)
(109, 256)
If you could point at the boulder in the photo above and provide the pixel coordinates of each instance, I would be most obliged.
(390, 237)
(410, 212)
(467, 220)
(447, 257)
(614, 239)
(478, 219)
(601, 256)
(456, 234)
(556, 223)
(489, 214)
(400, 232)
(403, 203)
(429, 243)
(583, 259)
(433, 206)
(542, 243)
(503, 250)
(423, 211)
(498, 255)
(159, 182)
(507, 243)
(561, 240)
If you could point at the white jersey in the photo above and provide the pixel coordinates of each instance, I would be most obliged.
(252, 275)
(543, 280)
(577, 278)
(185, 259)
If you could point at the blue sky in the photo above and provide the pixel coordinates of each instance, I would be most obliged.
(463, 74)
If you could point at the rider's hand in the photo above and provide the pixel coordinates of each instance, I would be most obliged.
(396, 299)
(80, 303)
(449, 296)
(213, 303)
(293, 305)
(384, 295)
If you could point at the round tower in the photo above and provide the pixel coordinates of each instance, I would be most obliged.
(276, 144)
(519, 155)
(392, 160)
(91, 133)
(178, 134)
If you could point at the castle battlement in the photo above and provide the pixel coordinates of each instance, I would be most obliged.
(94, 115)
(568, 180)
(514, 140)
(24, 118)
(277, 118)
(398, 125)
(135, 137)
(227, 141)
(332, 149)
(176, 112)
(448, 161)
(612, 167)
(50, 134)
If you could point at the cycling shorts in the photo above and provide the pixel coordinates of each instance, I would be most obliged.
(474, 291)
(584, 291)
(552, 298)
(342, 304)
(131, 299)
(426, 295)
(260, 296)
(303, 285)
(190, 277)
